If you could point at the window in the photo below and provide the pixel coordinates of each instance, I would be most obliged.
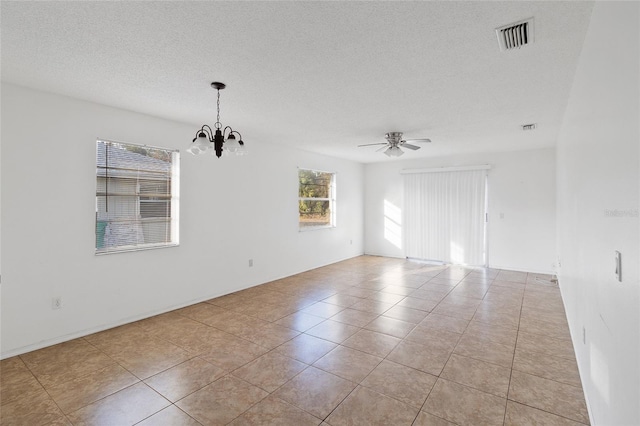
(137, 192)
(316, 199)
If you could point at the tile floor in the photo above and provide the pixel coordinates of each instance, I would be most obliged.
(371, 341)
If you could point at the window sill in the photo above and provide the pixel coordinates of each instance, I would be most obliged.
(315, 228)
(125, 249)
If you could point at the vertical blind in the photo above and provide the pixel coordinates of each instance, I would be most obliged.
(445, 216)
(136, 197)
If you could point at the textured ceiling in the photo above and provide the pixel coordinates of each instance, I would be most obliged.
(323, 76)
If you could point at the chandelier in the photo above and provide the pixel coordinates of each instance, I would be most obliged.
(218, 141)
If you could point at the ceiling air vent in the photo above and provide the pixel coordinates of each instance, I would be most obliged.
(516, 35)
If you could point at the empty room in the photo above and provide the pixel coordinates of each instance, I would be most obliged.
(320, 213)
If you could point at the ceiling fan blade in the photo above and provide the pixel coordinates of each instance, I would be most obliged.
(380, 149)
(417, 140)
(407, 145)
(370, 144)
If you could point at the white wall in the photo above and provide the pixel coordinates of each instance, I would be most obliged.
(598, 150)
(521, 187)
(232, 209)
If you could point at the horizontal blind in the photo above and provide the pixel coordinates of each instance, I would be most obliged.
(136, 197)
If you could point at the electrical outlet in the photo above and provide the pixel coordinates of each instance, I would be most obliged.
(56, 303)
(250, 263)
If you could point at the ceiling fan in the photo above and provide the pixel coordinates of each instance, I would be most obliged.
(395, 142)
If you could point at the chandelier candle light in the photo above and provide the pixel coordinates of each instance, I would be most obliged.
(220, 140)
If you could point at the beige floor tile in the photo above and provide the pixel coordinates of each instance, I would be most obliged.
(116, 339)
(545, 345)
(490, 378)
(551, 329)
(398, 289)
(559, 369)
(348, 363)
(390, 298)
(234, 322)
(470, 289)
(372, 342)
(200, 311)
(366, 407)
(270, 371)
(373, 306)
(270, 335)
(221, 401)
(391, 326)
(417, 303)
(463, 405)
(13, 370)
(518, 415)
(315, 391)
(355, 291)
(333, 331)
(299, 321)
(445, 340)
(234, 353)
(342, 300)
(183, 379)
(456, 311)
(549, 316)
(355, 318)
(127, 406)
(400, 382)
(446, 323)
(494, 333)
(406, 314)
(277, 313)
(485, 350)
(502, 318)
(13, 389)
(425, 358)
(434, 293)
(322, 309)
(516, 277)
(548, 395)
(274, 411)
(66, 361)
(170, 416)
(77, 393)
(306, 348)
(147, 360)
(426, 419)
(32, 410)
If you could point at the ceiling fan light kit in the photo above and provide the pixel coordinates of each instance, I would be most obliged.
(218, 141)
(395, 142)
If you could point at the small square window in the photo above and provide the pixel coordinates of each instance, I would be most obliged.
(316, 199)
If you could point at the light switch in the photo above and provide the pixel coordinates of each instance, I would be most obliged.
(618, 266)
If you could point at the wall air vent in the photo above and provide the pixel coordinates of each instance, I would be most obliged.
(516, 35)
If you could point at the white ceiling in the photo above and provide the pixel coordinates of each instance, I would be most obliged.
(323, 76)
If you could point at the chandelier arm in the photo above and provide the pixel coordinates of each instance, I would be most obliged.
(207, 128)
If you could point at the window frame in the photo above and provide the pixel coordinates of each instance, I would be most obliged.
(331, 199)
(133, 178)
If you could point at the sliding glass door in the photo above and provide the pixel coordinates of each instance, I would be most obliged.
(445, 215)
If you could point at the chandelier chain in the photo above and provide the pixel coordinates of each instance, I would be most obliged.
(218, 125)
